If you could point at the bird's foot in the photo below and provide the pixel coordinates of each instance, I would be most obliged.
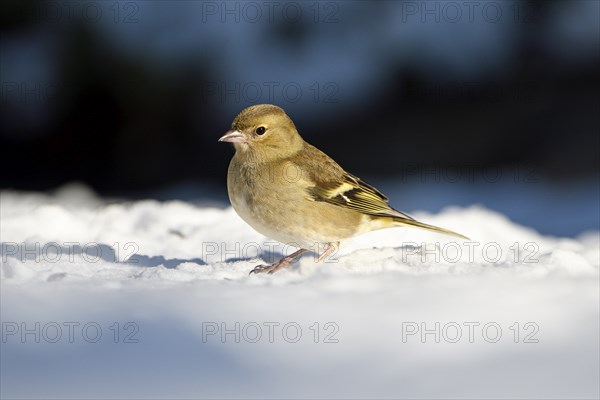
(331, 248)
(269, 269)
(284, 262)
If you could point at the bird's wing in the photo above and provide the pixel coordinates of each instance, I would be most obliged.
(353, 193)
(331, 184)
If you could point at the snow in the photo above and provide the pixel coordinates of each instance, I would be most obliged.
(152, 299)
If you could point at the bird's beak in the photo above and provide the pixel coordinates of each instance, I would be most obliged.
(233, 136)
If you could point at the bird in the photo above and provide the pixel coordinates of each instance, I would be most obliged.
(290, 191)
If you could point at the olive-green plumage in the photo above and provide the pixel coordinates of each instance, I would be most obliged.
(292, 192)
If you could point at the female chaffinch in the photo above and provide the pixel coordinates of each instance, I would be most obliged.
(294, 193)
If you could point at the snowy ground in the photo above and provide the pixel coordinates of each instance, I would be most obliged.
(153, 300)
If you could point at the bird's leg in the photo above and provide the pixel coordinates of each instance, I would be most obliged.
(329, 250)
(276, 266)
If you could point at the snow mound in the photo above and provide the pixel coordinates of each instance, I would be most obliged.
(153, 299)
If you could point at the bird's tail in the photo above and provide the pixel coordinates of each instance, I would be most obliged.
(417, 224)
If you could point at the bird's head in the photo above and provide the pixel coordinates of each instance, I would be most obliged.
(263, 132)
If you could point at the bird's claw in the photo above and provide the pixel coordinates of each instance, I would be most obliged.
(284, 262)
(261, 269)
(269, 269)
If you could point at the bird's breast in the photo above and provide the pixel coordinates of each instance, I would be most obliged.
(274, 201)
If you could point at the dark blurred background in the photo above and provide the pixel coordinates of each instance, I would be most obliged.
(489, 102)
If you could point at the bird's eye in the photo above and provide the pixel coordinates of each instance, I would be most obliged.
(260, 130)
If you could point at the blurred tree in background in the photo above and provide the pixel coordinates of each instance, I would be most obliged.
(132, 95)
